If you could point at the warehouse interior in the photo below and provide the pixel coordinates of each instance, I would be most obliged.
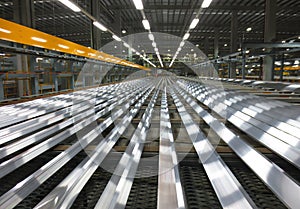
(149, 104)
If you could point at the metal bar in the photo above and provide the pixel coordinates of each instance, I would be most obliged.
(170, 193)
(11, 148)
(15, 162)
(66, 192)
(227, 188)
(17, 193)
(117, 190)
(272, 175)
(283, 149)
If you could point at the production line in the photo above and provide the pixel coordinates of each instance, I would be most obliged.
(94, 121)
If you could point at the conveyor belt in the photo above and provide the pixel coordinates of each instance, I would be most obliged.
(137, 115)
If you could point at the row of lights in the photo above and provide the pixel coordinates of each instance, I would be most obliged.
(194, 23)
(100, 26)
(139, 6)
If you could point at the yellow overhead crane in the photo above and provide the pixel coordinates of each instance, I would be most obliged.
(14, 32)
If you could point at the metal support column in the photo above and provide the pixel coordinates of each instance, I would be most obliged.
(269, 36)
(23, 14)
(95, 32)
(282, 67)
(206, 46)
(216, 43)
(233, 42)
(244, 65)
(1, 89)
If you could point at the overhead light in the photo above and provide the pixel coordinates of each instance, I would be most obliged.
(146, 24)
(153, 44)
(39, 39)
(296, 62)
(71, 5)
(4, 30)
(194, 23)
(151, 36)
(283, 42)
(116, 47)
(156, 49)
(239, 49)
(249, 29)
(99, 25)
(278, 63)
(133, 50)
(63, 46)
(248, 51)
(138, 4)
(298, 37)
(225, 45)
(197, 45)
(264, 49)
(79, 51)
(126, 45)
(169, 50)
(287, 63)
(116, 38)
(179, 49)
(206, 3)
(181, 44)
(186, 36)
(137, 53)
(192, 50)
(124, 31)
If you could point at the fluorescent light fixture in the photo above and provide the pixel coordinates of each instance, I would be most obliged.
(146, 24)
(138, 4)
(186, 36)
(39, 39)
(206, 3)
(79, 51)
(4, 30)
(126, 45)
(63, 46)
(151, 36)
(297, 62)
(181, 44)
(71, 5)
(249, 29)
(154, 44)
(92, 54)
(283, 42)
(100, 26)
(287, 63)
(116, 38)
(194, 23)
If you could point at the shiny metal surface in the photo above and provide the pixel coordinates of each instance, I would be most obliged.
(189, 112)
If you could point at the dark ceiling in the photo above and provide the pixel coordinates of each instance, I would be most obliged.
(167, 16)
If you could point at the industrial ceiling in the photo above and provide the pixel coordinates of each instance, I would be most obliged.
(165, 16)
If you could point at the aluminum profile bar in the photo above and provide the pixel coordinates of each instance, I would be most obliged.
(170, 193)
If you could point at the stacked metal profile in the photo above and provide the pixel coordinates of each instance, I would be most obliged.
(90, 125)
